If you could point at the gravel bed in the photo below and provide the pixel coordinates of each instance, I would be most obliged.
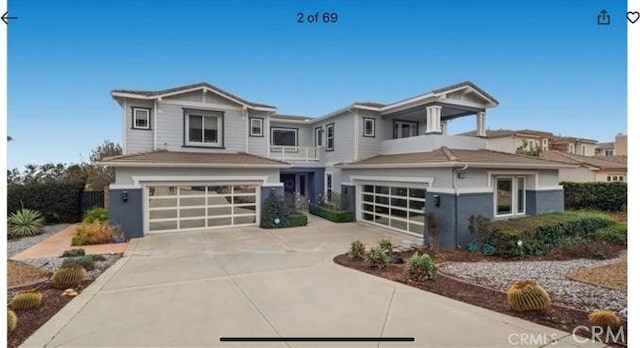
(549, 274)
(54, 263)
(16, 246)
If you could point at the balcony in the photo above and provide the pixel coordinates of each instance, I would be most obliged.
(295, 153)
(429, 142)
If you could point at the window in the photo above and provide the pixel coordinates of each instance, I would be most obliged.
(615, 178)
(256, 126)
(608, 152)
(583, 150)
(572, 148)
(510, 196)
(284, 136)
(328, 186)
(203, 129)
(403, 129)
(369, 127)
(330, 137)
(141, 119)
(545, 144)
(319, 136)
(531, 144)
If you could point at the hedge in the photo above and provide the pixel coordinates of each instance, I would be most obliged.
(605, 196)
(540, 234)
(58, 201)
(295, 220)
(331, 214)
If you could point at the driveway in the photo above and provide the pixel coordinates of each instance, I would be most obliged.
(191, 288)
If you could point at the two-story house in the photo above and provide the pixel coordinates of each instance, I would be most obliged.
(516, 141)
(198, 157)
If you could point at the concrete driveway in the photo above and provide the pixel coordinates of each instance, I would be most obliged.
(189, 289)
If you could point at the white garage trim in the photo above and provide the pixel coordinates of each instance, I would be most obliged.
(392, 179)
(195, 179)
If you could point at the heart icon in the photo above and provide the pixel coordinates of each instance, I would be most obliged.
(633, 16)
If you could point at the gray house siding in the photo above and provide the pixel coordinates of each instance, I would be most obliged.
(259, 145)
(128, 215)
(344, 138)
(369, 146)
(541, 202)
(138, 140)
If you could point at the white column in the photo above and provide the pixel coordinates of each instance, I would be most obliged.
(444, 127)
(481, 124)
(433, 119)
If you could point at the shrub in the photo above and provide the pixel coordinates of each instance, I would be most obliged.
(274, 212)
(479, 228)
(433, 237)
(57, 201)
(295, 220)
(537, 235)
(26, 300)
(386, 245)
(378, 258)
(97, 257)
(97, 232)
(422, 266)
(615, 234)
(96, 214)
(69, 277)
(87, 262)
(73, 252)
(12, 320)
(605, 196)
(526, 295)
(603, 318)
(25, 223)
(331, 214)
(357, 252)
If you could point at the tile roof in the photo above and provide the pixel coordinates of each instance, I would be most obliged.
(597, 161)
(605, 145)
(447, 155)
(149, 93)
(499, 133)
(197, 159)
(561, 139)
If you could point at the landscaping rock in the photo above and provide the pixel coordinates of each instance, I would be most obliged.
(18, 245)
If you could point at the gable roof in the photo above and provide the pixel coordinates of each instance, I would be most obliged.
(151, 94)
(193, 159)
(565, 139)
(585, 161)
(466, 84)
(446, 157)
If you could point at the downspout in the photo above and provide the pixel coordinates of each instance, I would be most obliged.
(454, 177)
(155, 124)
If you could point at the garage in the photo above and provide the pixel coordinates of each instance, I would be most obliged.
(183, 207)
(397, 206)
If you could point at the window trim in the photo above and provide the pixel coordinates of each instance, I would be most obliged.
(203, 113)
(373, 127)
(318, 136)
(285, 129)
(514, 196)
(395, 130)
(333, 137)
(261, 120)
(583, 150)
(133, 118)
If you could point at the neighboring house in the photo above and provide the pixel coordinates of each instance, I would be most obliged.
(199, 157)
(572, 145)
(589, 168)
(605, 149)
(620, 145)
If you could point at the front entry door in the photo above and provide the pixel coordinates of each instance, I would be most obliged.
(289, 181)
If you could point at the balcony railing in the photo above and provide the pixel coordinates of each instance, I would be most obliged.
(295, 153)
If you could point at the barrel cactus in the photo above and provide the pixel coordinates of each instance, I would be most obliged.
(26, 300)
(69, 277)
(603, 318)
(526, 295)
(12, 320)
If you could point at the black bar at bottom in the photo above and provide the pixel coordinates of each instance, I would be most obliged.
(317, 339)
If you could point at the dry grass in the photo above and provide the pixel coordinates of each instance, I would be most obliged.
(612, 276)
(19, 273)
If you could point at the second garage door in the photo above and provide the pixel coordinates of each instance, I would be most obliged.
(396, 206)
(189, 207)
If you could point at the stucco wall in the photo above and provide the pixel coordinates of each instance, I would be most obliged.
(580, 174)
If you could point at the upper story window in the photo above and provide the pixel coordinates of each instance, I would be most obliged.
(572, 148)
(510, 196)
(318, 140)
(545, 144)
(141, 118)
(330, 136)
(583, 150)
(369, 127)
(284, 136)
(203, 128)
(404, 129)
(256, 127)
(608, 152)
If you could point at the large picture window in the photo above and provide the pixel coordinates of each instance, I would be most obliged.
(203, 129)
(510, 196)
(284, 136)
(403, 129)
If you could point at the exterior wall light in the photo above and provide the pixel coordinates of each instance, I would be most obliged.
(436, 200)
(125, 196)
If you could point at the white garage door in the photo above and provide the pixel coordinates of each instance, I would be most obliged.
(184, 207)
(393, 206)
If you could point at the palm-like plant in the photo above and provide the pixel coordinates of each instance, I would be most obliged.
(25, 222)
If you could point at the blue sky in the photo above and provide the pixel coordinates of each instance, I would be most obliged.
(547, 62)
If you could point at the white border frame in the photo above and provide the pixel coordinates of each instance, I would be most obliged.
(259, 119)
(203, 114)
(133, 118)
(295, 130)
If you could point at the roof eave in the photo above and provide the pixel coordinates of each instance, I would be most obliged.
(116, 164)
